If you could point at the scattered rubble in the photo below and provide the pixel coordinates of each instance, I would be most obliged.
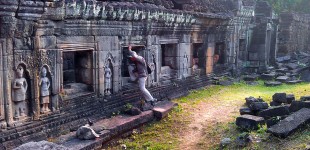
(225, 142)
(283, 117)
(244, 140)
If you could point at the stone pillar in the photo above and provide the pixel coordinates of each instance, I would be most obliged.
(8, 22)
(108, 49)
(183, 57)
(209, 54)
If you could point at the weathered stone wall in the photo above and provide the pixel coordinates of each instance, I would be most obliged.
(294, 34)
(93, 36)
(259, 52)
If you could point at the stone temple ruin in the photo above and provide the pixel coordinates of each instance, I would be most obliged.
(63, 61)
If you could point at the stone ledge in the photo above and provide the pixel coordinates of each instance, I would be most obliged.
(115, 127)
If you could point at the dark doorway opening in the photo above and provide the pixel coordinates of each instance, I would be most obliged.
(219, 53)
(77, 72)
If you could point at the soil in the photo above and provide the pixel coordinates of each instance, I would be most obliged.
(207, 114)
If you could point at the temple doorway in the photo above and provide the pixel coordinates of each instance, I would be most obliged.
(77, 73)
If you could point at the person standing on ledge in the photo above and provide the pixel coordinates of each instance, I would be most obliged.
(138, 72)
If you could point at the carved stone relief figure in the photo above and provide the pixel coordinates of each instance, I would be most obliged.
(185, 65)
(19, 86)
(44, 91)
(107, 79)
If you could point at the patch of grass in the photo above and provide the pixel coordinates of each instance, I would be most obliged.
(166, 134)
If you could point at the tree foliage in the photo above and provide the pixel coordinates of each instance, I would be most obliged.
(301, 6)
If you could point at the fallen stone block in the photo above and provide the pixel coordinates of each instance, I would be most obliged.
(42, 145)
(272, 83)
(282, 79)
(305, 98)
(291, 123)
(274, 112)
(162, 109)
(249, 122)
(290, 98)
(297, 105)
(257, 106)
(279, 97)
(274, 103)
(246, 111)
(250, 77)
(250, 100)
(293, 81)
(282, 70)
(225, 83)
(269, 76)
(292, 66)
(283, 59)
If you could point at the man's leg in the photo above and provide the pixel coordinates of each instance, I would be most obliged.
(147, 95)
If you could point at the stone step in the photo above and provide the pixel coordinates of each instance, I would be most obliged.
(162, 109)
(290, 124)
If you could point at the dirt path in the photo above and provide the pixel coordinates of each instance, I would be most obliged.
(204, 115)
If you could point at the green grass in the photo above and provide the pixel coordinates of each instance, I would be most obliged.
(165, 134)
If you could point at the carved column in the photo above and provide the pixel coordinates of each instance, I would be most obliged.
(183, 59)
(6, 40)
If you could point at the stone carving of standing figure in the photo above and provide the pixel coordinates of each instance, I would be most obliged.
(107, 80)
(185, 65)
(45, 93)
(20, 88)
(138, 72)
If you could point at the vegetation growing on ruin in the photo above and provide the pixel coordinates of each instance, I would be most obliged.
(301, 6)
(208, 115)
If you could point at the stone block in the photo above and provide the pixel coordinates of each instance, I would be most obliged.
(40, 145)
(250, 100)
(292, 66)
(282, 79)
(305, 98)
(274, 112)
(272, 83)
(250, 77)
(297, 105)
(274, 103)
(290, 124)
(162, 109)
(246, 111)
(290, 98)
(249, 122)
(279, 97)
(269, 76)
(47, 42)
(257, 106)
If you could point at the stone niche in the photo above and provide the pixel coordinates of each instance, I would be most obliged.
(21, 94)
(169, 62)
(198, 58)
(77, 72)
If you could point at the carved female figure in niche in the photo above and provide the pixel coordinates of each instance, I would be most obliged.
(20, 88)
(45, 93)
(185, 65)
(107, 80)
